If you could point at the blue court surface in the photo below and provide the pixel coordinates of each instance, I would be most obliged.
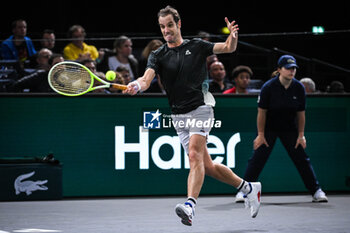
(216, 214)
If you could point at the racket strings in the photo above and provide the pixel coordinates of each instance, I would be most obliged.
(70, 79)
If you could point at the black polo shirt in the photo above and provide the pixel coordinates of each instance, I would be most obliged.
(281, 104)
(182, 71)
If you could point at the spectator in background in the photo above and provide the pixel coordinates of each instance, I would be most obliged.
(48, 39)
(55, 58)
(37, 81)
(241, 76)
(217, 74)
(42, 59)
(125, 74)
(78, 49)
(18, 46)
(309, 84)
(123, 56)
(122, 77)
(211, 59)
(335, 87)
(151, 46)
(204, 35)
(156, 86)
(48, 45)
(91, 65)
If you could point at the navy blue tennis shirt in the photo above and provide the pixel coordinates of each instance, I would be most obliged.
(282, 104)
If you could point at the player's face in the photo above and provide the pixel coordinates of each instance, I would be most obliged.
(170, 30)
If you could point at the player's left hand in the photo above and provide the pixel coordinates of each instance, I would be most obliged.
(232, 27)
(301, 141)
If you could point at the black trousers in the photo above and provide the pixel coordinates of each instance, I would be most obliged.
(300, 159)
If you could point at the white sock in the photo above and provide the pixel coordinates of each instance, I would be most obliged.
(191, 201)
(245, 187)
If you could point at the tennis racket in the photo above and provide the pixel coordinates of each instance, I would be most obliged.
(73, 79)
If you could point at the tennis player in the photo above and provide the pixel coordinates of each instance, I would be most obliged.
(181, 65)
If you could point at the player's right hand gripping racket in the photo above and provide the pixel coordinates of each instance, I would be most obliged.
(73, 79)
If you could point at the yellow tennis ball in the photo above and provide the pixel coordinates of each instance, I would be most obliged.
(110, 75)
(225, 30)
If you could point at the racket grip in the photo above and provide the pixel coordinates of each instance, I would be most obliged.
(118, 86)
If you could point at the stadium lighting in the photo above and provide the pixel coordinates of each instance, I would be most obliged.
(318, 30)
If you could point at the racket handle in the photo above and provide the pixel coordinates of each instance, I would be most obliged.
(118, 86)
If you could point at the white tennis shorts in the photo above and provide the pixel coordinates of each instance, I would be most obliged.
(198, 121)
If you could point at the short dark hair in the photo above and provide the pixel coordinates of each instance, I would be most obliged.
(239, 69)
(53, 56)
(48, 31)
(74, 28)
(122, 68)
(14, 23)
(87, 60)
(169, 10)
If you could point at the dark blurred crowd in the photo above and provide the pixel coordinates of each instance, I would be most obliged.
(24, 68)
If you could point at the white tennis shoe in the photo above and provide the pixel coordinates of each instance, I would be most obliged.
(185, 212)
(252, 199)
(319, 196)
(239, 197)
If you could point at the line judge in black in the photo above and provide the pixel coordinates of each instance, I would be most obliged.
(281, 114)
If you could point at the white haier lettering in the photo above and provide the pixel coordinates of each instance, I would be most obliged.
(143, 147)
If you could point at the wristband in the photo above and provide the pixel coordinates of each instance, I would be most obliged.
(303, 137)
(138, 86)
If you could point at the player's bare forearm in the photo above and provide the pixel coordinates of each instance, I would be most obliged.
(141, 84)
(230, 45)
(146, 79)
